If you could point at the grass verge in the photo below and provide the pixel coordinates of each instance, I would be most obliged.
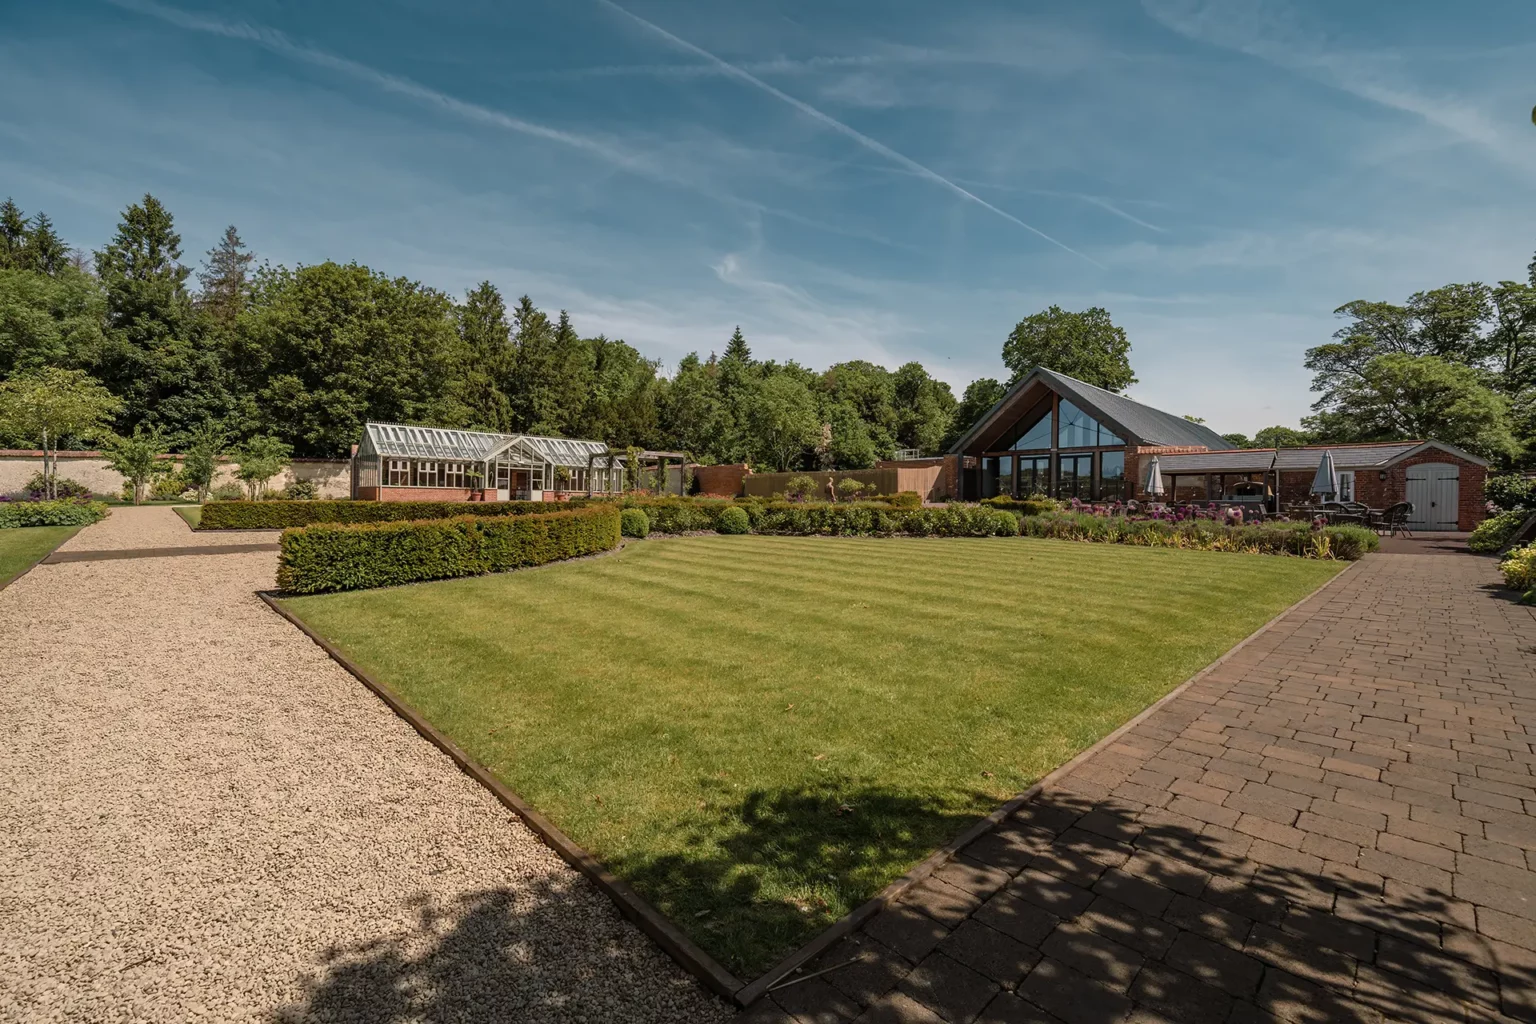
(759, 733)
(22, 548)
(193, 514)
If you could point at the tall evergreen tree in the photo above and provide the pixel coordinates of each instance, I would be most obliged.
(44, 251)
(574, 363)
(226, 277)
(13, 234)
(533, 379)
(488, 353)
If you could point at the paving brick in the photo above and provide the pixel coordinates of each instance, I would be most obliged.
(941, 901)
(1048, 892)
(995, 954)
(1393, 866)
(906, 930)
(1133, 891)
(1008, 1008)
(1300, 956)
(951, 989)
(1073, 997)
(899, 1008)
(1436, 971)
(875, 968)
(1202, 810)
(973, 876)
(1331, 931)
(1145, 934)
(1009, 848)
(1181, 997)
(1216, 964)
(1018, 918)
(816, 1001)
(1093, 955)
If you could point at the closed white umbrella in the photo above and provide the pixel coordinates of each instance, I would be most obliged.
(1327, 479)
(1155, 478)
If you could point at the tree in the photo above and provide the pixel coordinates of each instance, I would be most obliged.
(850, 445)
(781, 418)
(1086, 345)
(261, 458)
(532, 387)
(1282, 437)
(1399, 395)
(325, 348)
(692, 414)
(51, 405)
(226, 278)
(138, 458)
(13, 235)
(44, 251)
(49, 321)
(203, 452)
(979, 398)
(488, 353)
(924, 409)
(1239, 441)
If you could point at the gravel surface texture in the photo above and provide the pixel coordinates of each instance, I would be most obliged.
(206, 819)
(157, 526)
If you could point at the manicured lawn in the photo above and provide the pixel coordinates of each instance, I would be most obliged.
(21, 549)
(193, 514)
(759, 733)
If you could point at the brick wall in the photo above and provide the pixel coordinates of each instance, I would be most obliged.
(722, 480)
(1371, 489)
(421, 493)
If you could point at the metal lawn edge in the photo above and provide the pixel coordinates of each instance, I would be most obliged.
(759, 987)
(107, 554)
(647, 918)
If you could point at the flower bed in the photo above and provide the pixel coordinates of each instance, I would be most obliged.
(63, 512)
(1346, 543)
(336, 556)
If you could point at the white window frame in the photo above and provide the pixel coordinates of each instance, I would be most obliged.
(453, 475)
(399, 474)
(1346, 485)
(426, 474)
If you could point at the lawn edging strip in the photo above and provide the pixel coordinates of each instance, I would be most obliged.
(780, 973)
(647, 918)
(107, 554)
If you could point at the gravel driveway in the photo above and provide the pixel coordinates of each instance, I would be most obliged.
(206, 819)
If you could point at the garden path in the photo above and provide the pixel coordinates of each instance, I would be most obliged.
(1335, 824)
(206, 819)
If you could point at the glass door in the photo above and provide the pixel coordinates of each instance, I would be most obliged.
(1076, 477)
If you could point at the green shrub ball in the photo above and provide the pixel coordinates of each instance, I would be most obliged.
(633, 523)
(734, 521)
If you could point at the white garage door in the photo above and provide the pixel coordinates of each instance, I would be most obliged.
(1433, 490)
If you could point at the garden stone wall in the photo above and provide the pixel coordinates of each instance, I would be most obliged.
(332, 477)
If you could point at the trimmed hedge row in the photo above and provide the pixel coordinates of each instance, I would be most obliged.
(279, 515)
(845, 518)
(62, 512)
(1345, 543)
(335, 556)
(1036, 506)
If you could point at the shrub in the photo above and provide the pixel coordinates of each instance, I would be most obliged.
(72, 512)
(301, 490)
(335, 556)
(802, 487)
(733, 520)
(880, 519)
(280, 514)
(1519, 568)
(633, 523)
(1345, 543)
(848, 488)
(228, 492)
(1034, 505)
(1494, 532)
(169, 487)
(905, 499)
(1511, 492)
(63, 487)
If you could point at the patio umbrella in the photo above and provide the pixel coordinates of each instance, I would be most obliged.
(1327, 479)
(1155, 478)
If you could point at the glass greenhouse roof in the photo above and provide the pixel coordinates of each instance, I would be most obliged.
(397, 440)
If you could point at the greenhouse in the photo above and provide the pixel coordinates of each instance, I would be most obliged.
(395, 462)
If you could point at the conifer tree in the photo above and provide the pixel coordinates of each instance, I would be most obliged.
(13, 235)
(226, 277)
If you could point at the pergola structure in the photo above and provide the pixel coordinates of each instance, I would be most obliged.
(657, 460)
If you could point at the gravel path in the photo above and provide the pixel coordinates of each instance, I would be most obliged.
(157, 526)
(206, 819)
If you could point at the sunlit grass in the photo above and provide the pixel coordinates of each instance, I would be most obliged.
(759, 733)
(22, 548)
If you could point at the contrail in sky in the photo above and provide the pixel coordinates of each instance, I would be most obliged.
(829, 121)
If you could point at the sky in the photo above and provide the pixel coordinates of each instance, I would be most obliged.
(887, 180)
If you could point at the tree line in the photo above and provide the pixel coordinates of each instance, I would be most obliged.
(303, 356)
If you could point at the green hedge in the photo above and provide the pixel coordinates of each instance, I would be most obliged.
(1494, 532)
(879, 520)
(1346, 543)
(279, 515)
(63, 512)
(333, 556)
(1033, 506)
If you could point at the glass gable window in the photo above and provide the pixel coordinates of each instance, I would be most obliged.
(1079, 430)
(1037, 436)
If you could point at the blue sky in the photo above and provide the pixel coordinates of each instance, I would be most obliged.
(877, 179)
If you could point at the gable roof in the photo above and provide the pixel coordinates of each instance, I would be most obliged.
(1148, 426)
(398, 439)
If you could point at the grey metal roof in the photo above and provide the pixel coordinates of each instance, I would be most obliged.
(399, 440)
(1139, 423)
(1345, 456)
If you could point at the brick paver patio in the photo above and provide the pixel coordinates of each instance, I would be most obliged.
(1334, 825)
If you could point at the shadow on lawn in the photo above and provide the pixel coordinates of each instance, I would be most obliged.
(540, 952)
(760, 875)
(1102, 912)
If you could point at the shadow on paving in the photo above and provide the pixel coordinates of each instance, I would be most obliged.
(762, 874)
(1091, 914)
(527, 954)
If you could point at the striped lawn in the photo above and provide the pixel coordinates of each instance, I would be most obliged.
(760, 732)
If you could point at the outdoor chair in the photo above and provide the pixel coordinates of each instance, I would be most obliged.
(1394, 519)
